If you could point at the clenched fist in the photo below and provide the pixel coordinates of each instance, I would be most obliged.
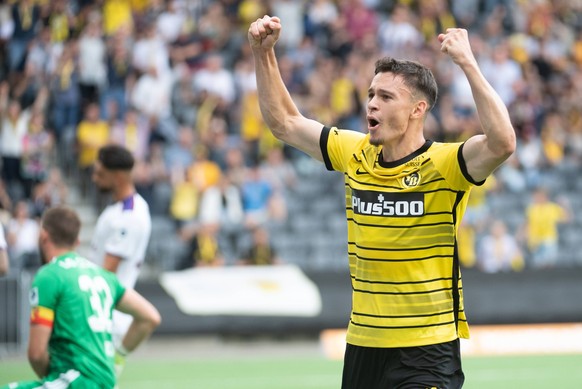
(264, 33)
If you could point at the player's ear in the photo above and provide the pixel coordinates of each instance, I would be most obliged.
(419, 109)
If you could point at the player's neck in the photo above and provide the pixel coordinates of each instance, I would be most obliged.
(394, 151)
(123, 191)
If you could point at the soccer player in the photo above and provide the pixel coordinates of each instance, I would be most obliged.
(72, 300)
(123, 229)
(405, 196)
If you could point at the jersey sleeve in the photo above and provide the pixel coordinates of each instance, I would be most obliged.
(448, 160)
(337, 147)
(44, 295)
(123, 240)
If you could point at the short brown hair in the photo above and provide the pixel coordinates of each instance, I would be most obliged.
(414, 74)
(62, 225)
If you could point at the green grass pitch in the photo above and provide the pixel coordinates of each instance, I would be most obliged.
(511, 372)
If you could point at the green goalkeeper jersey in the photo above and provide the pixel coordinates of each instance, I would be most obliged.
(76, 298)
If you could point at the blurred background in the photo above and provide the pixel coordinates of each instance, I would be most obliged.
(174, 82)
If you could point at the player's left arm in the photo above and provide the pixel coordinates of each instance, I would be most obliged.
(38, 354)
(111, 262)
(482, 153)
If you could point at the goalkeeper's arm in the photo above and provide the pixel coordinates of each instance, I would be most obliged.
(145, 320)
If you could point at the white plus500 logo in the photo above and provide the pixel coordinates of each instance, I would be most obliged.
(387, 204)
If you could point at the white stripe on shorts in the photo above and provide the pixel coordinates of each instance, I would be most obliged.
(63, 382)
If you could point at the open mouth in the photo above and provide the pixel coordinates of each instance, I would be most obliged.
(372, 123)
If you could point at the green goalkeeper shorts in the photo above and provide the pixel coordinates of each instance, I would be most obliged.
(71, 379)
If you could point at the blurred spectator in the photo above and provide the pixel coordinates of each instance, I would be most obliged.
(151, 93)
(61, 21)
(216, 30)
(221, 208)
(257, 195)
(279, 171)
(320, 14)
(553, 139)
(92, 133)
(252, 127)
(171, 21)
(503, 72)
(261, 251)
(215, 79)
(185, 198)
(25, 18)
(218, 141)
(22, 237)
(235, 166)
(188, 48)
(37, 149)
(150, 52)
(397, 34)
(183, 99)
(204, 249)
(474, 221)
(511, 177)
(203, 173)
(42, 57)
(180, 154)
(499, 251)
(119, 76)
(435, 17)
(49, 193)
(92, 61)
(152, 179)
(65, 93)
(360, 21)
(133, 133)
(530, 156)
(117, 15)
(13, 129)
(542, 219)
(292, 16)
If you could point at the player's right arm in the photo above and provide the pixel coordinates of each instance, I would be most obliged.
(38, 355)
(277, 107)
(145, 318)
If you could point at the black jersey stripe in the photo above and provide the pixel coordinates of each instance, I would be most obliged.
(399, 282)
(400, 260)
(402, 316)
(400, 226)
(323, 139)
(403, 293)
(401, 327)
(403, 282)
(403, 249)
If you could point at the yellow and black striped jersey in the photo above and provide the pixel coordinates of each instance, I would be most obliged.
(402, 220)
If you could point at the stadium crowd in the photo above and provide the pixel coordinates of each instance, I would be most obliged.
(173, 81)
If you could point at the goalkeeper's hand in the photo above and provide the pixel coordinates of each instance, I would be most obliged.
(119, 362)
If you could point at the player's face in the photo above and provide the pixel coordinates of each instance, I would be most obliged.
(390, 104)
(42, 240)
(102, 178)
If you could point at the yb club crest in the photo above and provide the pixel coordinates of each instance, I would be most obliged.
(411, 180)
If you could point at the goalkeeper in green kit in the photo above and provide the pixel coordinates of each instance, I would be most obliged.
(72, 301)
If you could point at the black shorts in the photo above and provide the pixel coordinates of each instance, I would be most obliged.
(424, 367)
